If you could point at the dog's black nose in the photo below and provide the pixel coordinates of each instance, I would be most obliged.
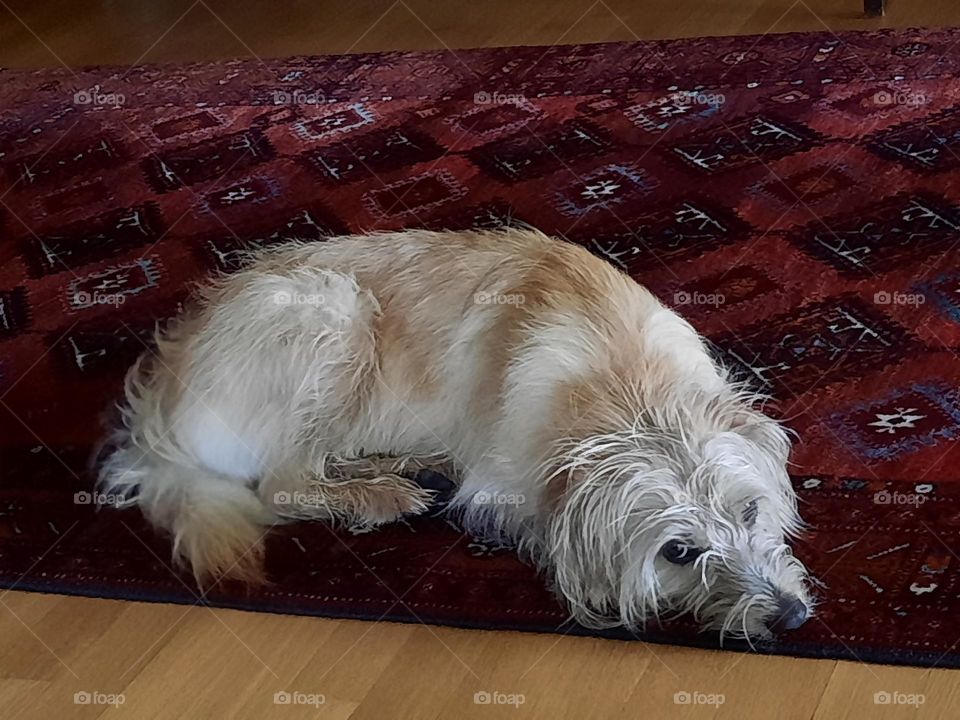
(791, 613)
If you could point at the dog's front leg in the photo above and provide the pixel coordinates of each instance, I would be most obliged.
(358, 492)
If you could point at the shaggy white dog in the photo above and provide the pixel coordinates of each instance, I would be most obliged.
(578, 417)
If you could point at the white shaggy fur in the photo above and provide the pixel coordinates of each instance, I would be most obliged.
(579, 418)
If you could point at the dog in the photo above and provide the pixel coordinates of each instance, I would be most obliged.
(580, 419)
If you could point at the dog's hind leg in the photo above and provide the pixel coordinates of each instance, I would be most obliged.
(280, 358)
(358, 492)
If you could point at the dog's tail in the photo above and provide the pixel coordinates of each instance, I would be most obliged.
(217, 524)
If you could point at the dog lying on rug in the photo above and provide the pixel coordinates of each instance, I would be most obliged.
(578, 417)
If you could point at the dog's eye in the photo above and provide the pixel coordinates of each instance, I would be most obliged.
(679, 553)
(750, 513)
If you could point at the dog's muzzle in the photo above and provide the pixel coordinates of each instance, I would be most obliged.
(790, 614)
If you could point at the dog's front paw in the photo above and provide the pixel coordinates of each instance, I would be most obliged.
(392, 498)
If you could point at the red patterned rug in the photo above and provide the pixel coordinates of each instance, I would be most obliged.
(796, 196)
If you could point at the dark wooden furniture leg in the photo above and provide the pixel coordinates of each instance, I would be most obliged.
(874, 8)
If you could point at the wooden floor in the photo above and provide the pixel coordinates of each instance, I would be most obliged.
(168, 661)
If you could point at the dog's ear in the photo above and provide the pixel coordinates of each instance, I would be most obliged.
(773, 442)
(764, 432)
(605, 533)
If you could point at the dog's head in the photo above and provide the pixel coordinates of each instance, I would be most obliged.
(687, 511)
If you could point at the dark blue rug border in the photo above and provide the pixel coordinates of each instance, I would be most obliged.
(926, 659)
